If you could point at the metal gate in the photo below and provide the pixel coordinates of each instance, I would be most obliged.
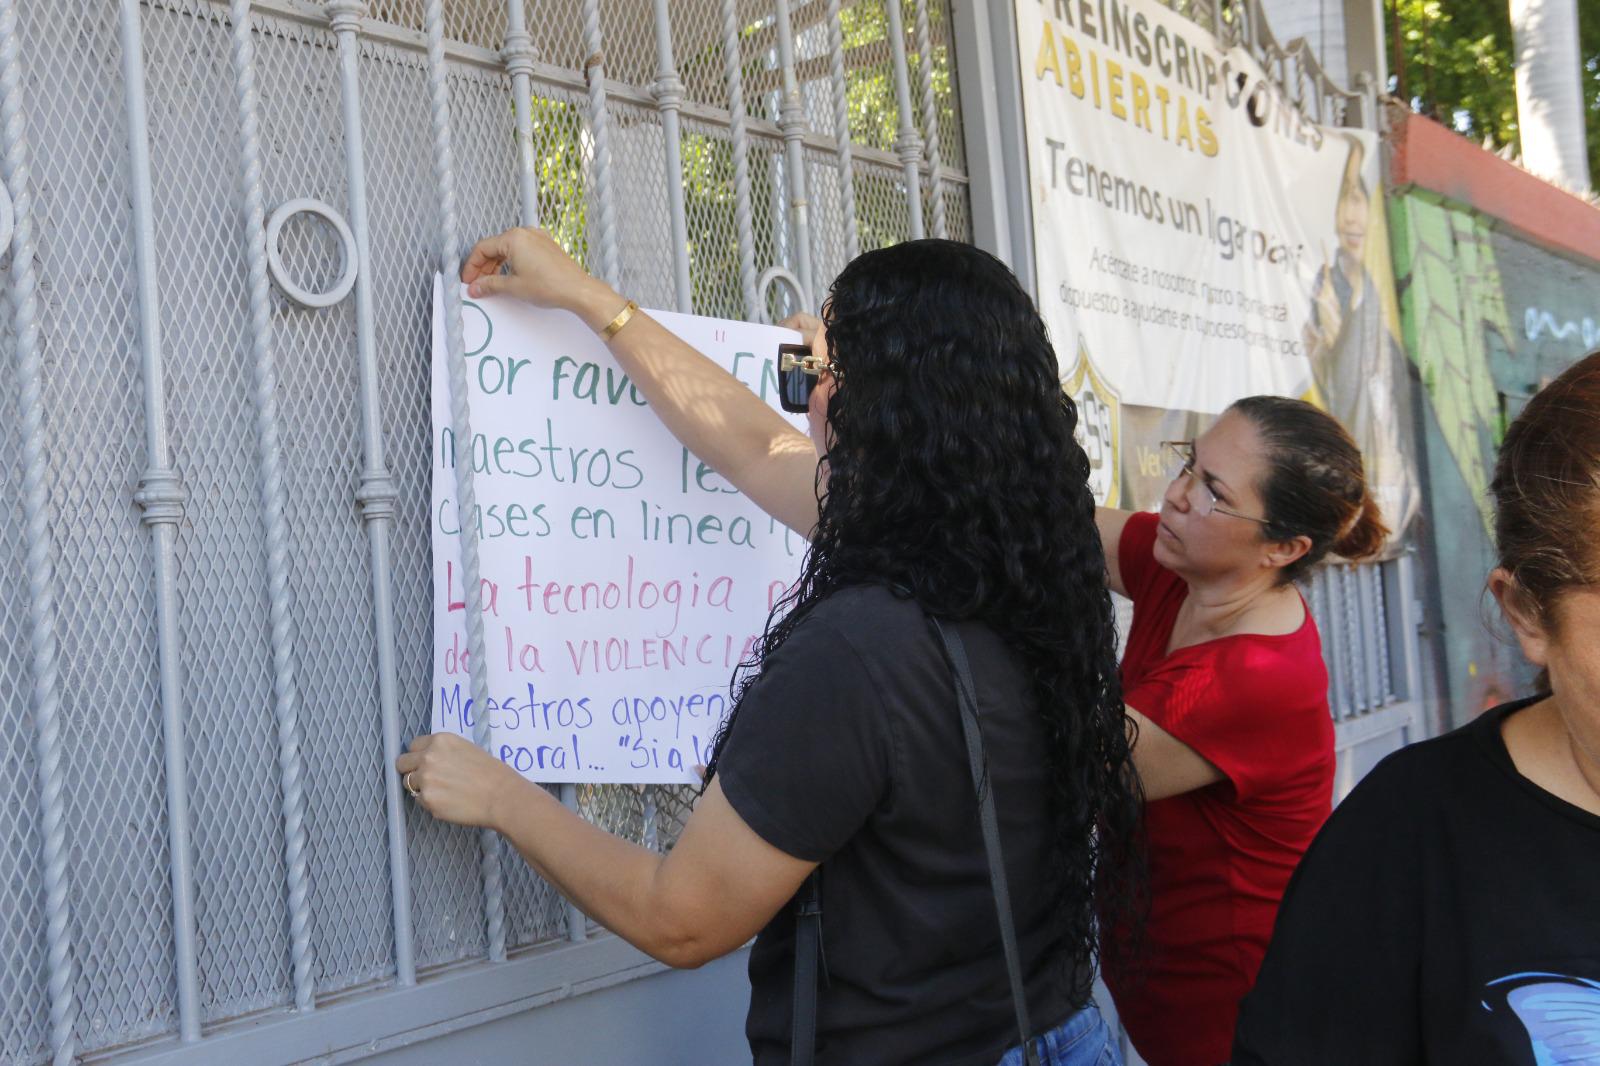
(215, 617)
(215, 620)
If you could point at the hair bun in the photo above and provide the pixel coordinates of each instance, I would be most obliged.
(1366, 536)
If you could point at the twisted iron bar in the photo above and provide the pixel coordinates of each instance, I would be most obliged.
(45, 696)
(930, 120)
(264, 381)
(594, 70)
(444, 171)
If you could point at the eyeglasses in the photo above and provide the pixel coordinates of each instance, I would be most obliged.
(798, 373)
(1180, 463)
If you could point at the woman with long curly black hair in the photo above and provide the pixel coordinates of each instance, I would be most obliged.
(942, 480)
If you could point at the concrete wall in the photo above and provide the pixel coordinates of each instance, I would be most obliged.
(671, 1018)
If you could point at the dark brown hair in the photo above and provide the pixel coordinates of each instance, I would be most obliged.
(1316, 484)
(1547, 491)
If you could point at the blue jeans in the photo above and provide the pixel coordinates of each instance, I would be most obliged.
(1083, 1039)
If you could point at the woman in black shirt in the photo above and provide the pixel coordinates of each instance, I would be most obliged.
(1449, 912)
(941, 478)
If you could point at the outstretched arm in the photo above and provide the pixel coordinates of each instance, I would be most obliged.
(718, 887)
(709, 410)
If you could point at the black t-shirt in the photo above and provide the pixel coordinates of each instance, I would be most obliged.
(848, 751)
(1449, 912)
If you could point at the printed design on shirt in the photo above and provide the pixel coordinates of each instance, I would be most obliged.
(1561, 1015)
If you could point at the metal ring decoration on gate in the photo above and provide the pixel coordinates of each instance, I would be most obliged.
(778, 273)
(303, 297)
(8, 219)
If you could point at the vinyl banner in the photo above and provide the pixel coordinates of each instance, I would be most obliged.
(1198, 239)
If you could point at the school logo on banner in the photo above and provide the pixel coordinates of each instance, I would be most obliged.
(1099, 425)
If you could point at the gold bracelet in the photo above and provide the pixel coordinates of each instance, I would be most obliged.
(621, 320)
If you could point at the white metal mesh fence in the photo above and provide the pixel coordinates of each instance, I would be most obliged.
(97, 969)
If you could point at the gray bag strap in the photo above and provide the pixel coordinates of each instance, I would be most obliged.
(977, 761)
(808, 909)
(807, 955)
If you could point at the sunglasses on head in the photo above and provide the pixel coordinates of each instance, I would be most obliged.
(798, 373)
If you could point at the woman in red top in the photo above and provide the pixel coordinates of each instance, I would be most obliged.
(1224, 678)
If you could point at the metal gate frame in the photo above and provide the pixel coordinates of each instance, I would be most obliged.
(132, 936)
(76, 983)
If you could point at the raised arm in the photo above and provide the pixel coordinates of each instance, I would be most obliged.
(1110, 524)
(709, 410)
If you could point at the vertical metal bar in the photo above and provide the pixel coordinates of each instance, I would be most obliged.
(1371, 698)
(930, 120)
(1385, 648)
(1404, 639)
(1333, 637)
(44, 697)
(444, 170)
(1001, 216)
(908, 142)
(1377, 636)
(782, 230)
(792, 121)
(264, 381)
(517, 54)
(377, 492)
(841, 131)
(518, 57)
(737, 125)
(161, 497)
(594, 70)
(669, 99)
(1340, 660)
(1352, 638)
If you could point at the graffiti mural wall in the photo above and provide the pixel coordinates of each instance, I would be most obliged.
(1489, 312)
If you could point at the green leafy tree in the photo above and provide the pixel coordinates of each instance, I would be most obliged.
(563, 153)
(1453, 62)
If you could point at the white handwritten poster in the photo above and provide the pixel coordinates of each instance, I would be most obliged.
(622, 579)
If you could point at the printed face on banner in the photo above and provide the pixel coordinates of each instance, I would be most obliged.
(622, 580)
(1197, 233)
